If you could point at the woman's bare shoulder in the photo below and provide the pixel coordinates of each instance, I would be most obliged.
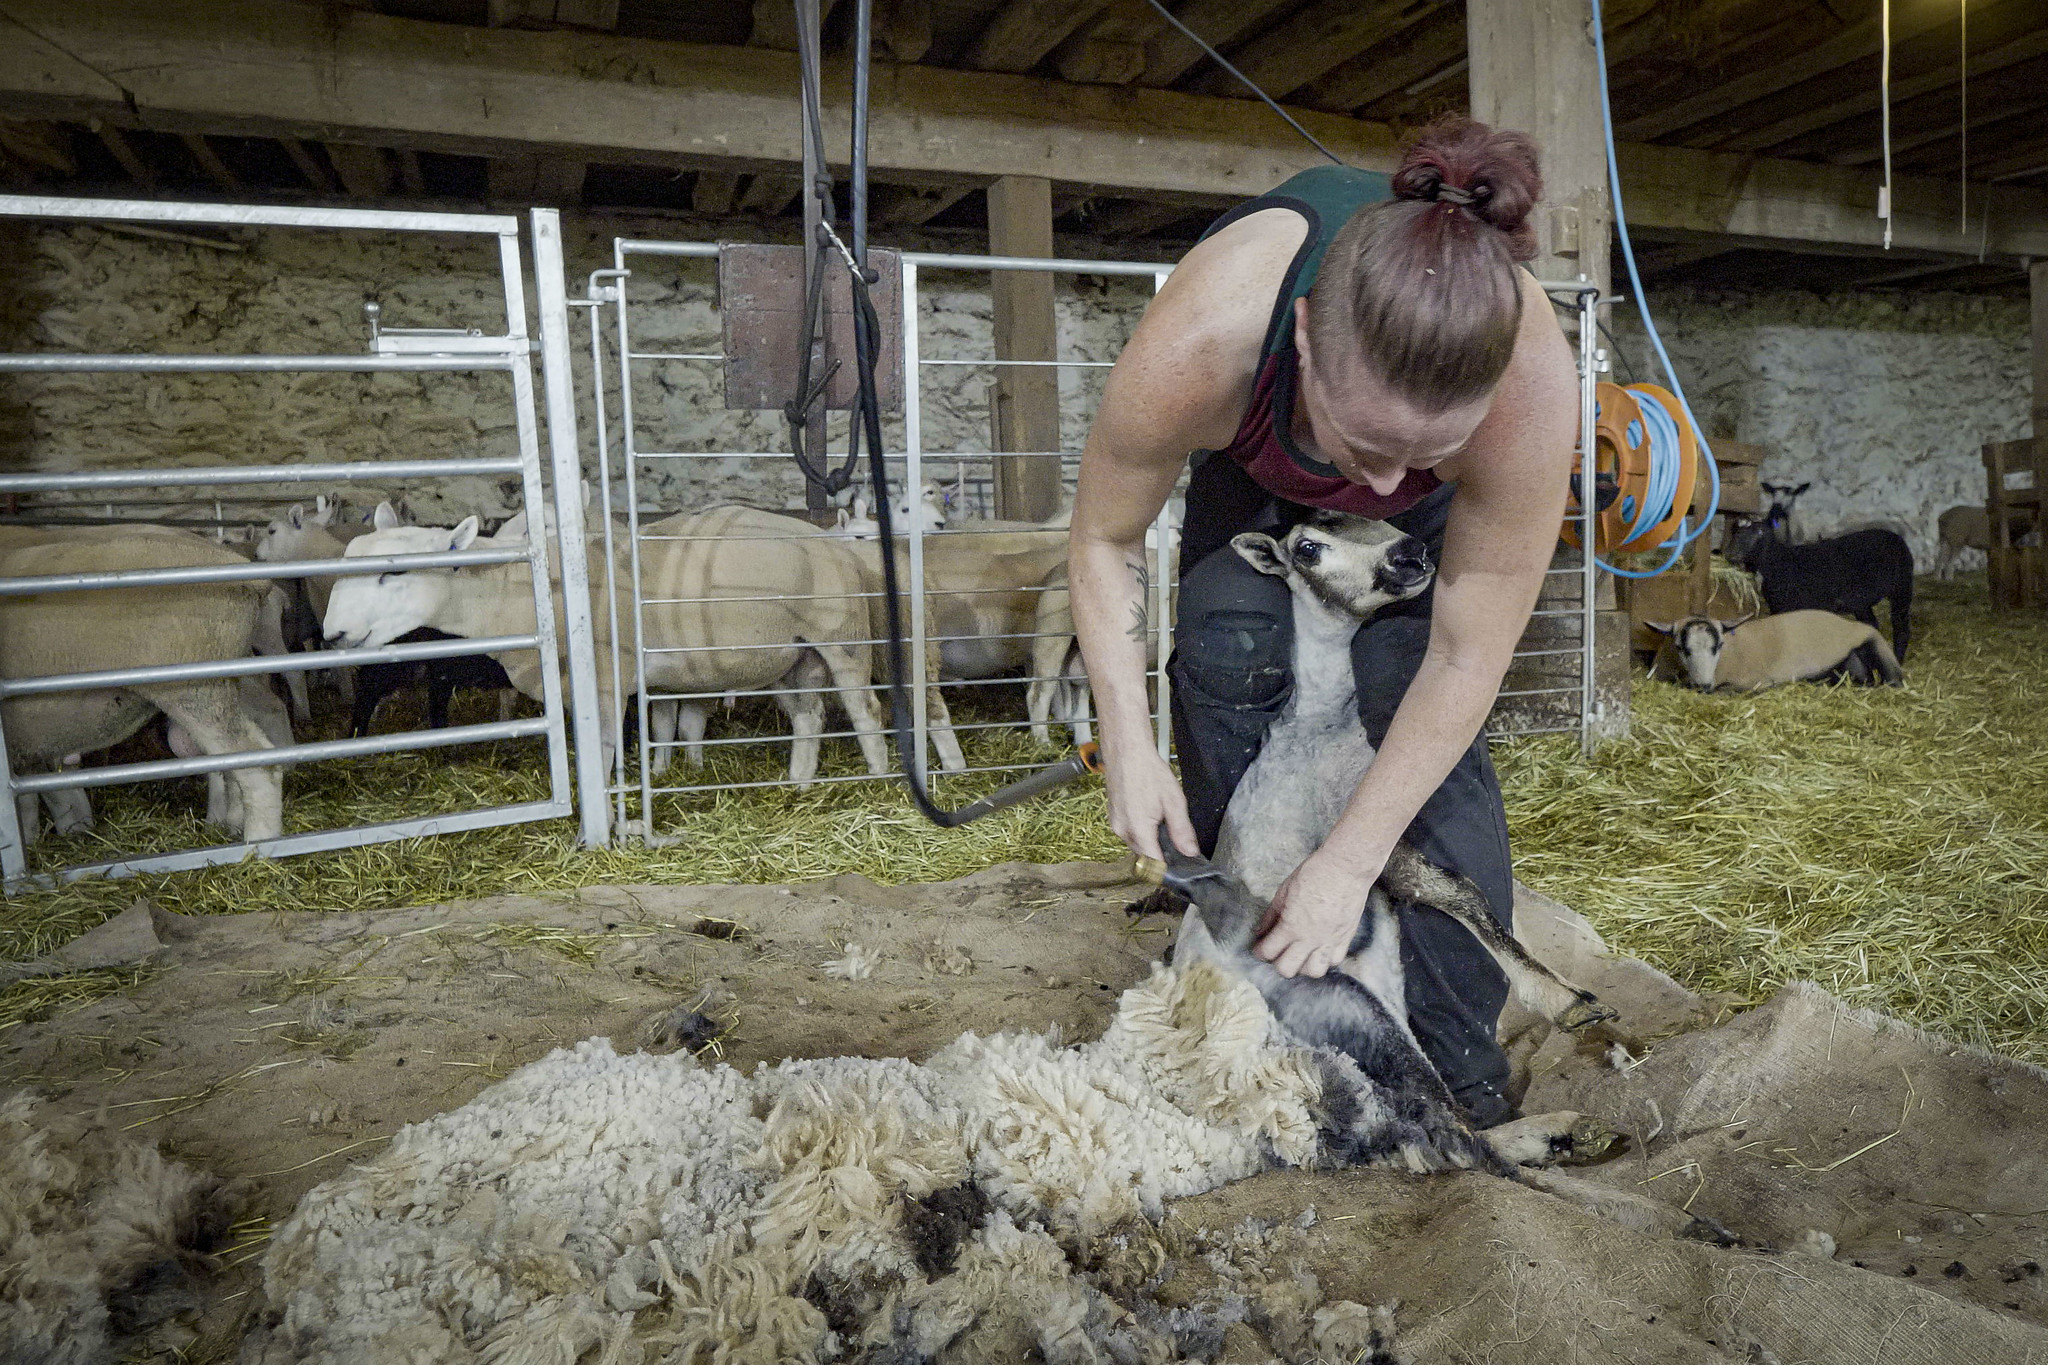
(1195, 355)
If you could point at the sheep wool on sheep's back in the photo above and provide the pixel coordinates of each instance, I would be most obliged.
(648, 1208)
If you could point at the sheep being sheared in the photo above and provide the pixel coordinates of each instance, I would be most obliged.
(1340, 570)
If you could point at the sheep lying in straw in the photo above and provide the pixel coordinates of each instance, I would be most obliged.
(1793, 646)
(648, 1208)
(99, 1236)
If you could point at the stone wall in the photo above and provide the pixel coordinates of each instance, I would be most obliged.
(1883, 401)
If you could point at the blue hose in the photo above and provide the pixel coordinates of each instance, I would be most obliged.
(1628, 255)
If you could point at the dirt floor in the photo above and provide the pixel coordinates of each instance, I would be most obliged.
(278, 1047)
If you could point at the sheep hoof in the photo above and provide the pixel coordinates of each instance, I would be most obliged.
(1590, 1143)
(1584, 1012)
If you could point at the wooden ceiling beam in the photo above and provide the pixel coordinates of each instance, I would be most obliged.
(40, 145)
(1904, 146)
(716, 193)
(527, 179)
(309, 165)
(1388, 68)
(775, 23)
(364, 172)
(123, 151)
(1314, 41)
(1169, 56)
(1866, 101)
(1023, 32)
(1135, 217)
(1851, 44)
(254, 67)
(769, 193)
(916, 205)
(210, 162)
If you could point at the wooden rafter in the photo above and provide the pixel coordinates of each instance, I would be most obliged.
(1823, 115)
(1024, 31)
(35, 144)
(775, 23)
(123, 151)
(916, 205)
(1169, 56)
(2024, 110)
(769, 193)
(409, 173)
(715, 194)
(308, 164)
(543, 178)
(363, 171)
(209, 161)
(1135, 217)
(1434, 45)
(1315, 41)
(1851, 44)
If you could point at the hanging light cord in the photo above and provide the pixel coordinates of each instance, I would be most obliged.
(1884, 90)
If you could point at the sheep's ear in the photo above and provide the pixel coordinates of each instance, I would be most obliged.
(323, 510)
(1261, 551)
(1801, 489)
(297, 516)
(462, 535)
(860, 507)
(1728, 627)
(1661, 627)
(385, 517)
(839, 521)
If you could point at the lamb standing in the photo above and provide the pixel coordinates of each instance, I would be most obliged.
(1848, 575)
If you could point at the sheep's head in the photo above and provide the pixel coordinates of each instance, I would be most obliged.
(1698, 641)
(299, 535)
(366, 610)
(1351, 565)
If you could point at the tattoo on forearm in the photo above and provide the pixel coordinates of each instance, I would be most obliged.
(1141, 620)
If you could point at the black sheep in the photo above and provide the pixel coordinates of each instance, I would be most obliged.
(375, 682)
(1848, 575)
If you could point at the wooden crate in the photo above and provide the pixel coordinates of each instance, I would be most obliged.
(1739, 491)
(2015, 577)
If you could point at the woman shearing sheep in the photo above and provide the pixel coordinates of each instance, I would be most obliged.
(1324, 346)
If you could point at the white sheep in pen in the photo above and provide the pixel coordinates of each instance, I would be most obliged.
(737, 600)
(82, 632)
(644, 1208)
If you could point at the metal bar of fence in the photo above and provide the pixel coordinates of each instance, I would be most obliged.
(1044, 364)
(842, 777)
(252, 215)
(614, 280)
(276, 473)
(407, 740)
(580, 632)
(627, 441)
(1537, 692)
(243, 573)
(945, 260)
(672, 355)
(322, 842)
(629, 246)
(19, 363)
(258, 665)
(1524, 734)
(1546, 653)
(913, 478)
(827, 690)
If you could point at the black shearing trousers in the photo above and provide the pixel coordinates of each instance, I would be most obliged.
(1233, 640)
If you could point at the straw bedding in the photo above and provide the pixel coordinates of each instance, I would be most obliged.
(1890, 845)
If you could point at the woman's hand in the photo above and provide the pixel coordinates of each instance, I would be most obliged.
(1315, 916)
(1143, 794)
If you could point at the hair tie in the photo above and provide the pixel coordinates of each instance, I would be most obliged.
(1451, 194)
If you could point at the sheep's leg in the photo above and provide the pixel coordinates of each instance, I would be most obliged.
(661, 734)
(805, 707)
(691, 719)
(268, 640)
(849, 671)
(70, 809)
(1902, 618)
(939, 726)
(1038, 705)
(1080, 701)
(508, 704)
(210, 715)
(1411, 877)
(28, 813)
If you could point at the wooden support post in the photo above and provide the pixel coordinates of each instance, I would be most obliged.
(1531, 66)
(2037, 275)
(1027, 397)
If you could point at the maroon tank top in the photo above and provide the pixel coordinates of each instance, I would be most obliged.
(1264, 447)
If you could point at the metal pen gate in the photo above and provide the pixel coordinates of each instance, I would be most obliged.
(621, 370)
(413, 350)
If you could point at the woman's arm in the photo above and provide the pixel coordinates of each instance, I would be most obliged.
(1180, 384)
(1513, 478)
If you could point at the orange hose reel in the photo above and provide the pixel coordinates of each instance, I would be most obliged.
(1623, 454)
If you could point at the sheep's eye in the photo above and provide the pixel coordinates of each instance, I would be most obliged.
(1308, 551)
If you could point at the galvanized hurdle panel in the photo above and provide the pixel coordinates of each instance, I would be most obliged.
(413, 350)
(619, 368)
(628, 450)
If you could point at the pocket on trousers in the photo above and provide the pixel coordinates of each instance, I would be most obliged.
(1233, 661)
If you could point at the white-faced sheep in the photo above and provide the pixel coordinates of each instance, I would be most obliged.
(1339, 570)
(77, 632)
(735, 600)
(1794, 646)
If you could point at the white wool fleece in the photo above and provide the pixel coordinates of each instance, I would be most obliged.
(648, 1205)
